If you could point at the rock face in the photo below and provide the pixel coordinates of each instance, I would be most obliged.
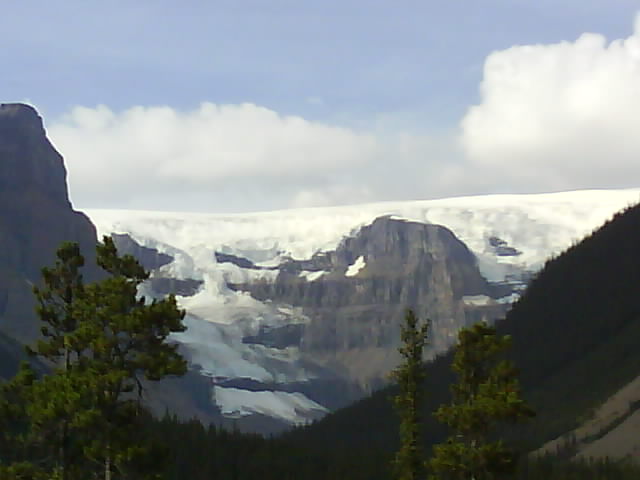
(35, 216)
(356, 296)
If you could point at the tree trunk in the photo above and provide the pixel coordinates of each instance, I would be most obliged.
(107, 465)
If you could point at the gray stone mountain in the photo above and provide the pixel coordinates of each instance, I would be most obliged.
(360, 291)
(298, 311)
(36, 216)
(352, 300)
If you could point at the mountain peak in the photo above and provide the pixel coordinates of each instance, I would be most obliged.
(28, 161)
(20, 114)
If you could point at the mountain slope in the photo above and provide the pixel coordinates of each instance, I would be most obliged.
(575, 334)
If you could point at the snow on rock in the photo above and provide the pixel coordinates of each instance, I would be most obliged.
(509, 299)
(217, 354)
(477, 300)
(311, 276)
(236, 274)
(537, 225)
(292, 407)
(355, 268)
(217, 351)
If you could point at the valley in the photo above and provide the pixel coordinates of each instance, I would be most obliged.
(292, 317)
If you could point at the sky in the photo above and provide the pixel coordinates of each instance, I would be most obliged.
(252, 105)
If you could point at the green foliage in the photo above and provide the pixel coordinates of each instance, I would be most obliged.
(127, 338)
(409, 460)
(26, 471)
(486, 394)
(62, 285)
(14, 420)
(82, 419)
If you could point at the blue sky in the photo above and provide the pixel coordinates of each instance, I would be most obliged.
(392, 84)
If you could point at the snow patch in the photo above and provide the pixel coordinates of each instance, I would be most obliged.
(235, 274)
(477, 300)
(355, 268)
(513, 298)
(292, 407)
(311, 276)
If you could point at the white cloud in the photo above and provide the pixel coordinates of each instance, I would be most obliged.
(559, 116)
(158, 148)
(550, 117)
(332, 194)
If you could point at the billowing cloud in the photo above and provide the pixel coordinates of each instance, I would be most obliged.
(158, 149)
(557, 116)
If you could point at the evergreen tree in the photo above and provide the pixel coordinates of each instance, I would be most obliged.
(14, 421)
(127, 338)
(409, 460)
(486, 394)
(62, 286)
(54, 405)
(102, 342)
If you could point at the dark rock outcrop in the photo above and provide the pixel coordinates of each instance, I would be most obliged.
(35, 216)
(502, 249)
(149, 258)
(235, 260)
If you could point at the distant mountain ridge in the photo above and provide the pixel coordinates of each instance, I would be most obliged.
(288, 299)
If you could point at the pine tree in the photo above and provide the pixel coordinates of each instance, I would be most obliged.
(486, 394)
(102, 342)
(52, 409)
(128, 340)
(409, 460)
(62, 286)
(14, 421)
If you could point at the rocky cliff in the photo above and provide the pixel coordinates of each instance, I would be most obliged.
(355, 297)
(35, 216)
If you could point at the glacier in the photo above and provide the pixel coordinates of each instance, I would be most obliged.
(509, 234)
